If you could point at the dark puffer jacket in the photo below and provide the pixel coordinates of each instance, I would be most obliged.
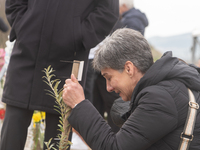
(158, 112)
(135, 19)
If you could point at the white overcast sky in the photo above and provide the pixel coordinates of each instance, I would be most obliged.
(170, 17)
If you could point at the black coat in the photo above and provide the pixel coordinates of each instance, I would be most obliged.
(157, 116)
(47, 32)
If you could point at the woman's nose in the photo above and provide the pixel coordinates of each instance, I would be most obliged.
(109, 87)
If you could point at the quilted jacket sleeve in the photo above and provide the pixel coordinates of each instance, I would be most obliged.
(147, 124)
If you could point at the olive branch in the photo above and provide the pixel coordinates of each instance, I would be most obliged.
(61, 108)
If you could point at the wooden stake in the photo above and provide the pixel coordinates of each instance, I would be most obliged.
(77, 71)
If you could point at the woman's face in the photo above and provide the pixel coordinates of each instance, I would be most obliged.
(120, 82)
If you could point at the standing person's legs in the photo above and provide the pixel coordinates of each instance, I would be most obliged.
(14, 129)
(51, 130)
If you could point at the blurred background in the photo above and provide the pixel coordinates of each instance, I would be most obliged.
(3, 35)
(174, 25)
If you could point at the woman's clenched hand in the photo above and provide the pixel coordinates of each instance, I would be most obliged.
(73, 92)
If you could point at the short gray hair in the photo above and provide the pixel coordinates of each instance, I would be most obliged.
(123, 45)
(128, 3)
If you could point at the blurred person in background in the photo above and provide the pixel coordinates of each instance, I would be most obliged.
(3, 28)
(131, 17)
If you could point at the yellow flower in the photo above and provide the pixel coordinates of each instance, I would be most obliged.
(43, 114)
(37, 117)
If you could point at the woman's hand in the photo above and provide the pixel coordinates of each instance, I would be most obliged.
(73, 92)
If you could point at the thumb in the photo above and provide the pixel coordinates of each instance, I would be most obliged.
(73, 78)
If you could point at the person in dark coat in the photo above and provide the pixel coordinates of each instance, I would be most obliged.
(158, 95)
(3, 26)
(47, 32)
(131, 17)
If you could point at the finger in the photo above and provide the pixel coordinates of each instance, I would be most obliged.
(63, 93)
(68, 81)
(65, 86)
(73, 78)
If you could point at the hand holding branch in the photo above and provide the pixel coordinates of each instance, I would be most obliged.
(73, 92)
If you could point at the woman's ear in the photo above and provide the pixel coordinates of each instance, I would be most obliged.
(129, 68)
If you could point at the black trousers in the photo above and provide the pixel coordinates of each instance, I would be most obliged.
(89, 82)
(15, 127)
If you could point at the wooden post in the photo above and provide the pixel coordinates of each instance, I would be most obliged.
(75, 68)
(77, 71)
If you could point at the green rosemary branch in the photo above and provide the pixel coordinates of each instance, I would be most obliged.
(61, 108)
